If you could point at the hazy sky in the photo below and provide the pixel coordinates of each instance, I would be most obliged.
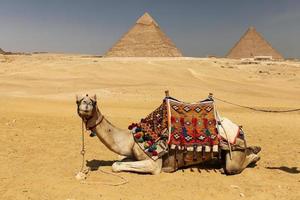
(197, 27)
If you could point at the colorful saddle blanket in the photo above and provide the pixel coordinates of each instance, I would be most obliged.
(175, 124)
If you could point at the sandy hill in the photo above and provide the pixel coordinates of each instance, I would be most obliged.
(41, 132)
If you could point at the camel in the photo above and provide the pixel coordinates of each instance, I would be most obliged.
(122, 143)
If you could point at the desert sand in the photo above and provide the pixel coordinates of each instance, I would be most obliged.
(41, 132)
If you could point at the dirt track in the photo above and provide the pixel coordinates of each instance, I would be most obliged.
(40, 130)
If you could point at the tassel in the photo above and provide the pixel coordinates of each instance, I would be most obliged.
(184, 155)
(195, 153)
(203, 153)
(93, 134)
(220, 153)
(175, 160)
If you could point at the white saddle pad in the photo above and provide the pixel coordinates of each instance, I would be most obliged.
(228, 130)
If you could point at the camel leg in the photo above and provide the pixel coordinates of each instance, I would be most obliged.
(143, 166)
(125, 158)
(239, 161)
(254, 149)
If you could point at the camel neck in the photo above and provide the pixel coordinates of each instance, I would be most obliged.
(117, 140)
(95, 120)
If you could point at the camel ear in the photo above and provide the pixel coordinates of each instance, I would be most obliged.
(94, 98)
(78, 98)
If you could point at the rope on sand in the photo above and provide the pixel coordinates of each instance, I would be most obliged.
(123, 182)
(83, 173)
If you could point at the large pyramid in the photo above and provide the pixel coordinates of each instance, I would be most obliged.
(144, 39)
(253, 44)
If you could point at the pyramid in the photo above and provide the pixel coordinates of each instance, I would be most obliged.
(1, 51)
(253, 44)
(144, 39)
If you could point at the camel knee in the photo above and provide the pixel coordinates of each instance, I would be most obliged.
(155, 167)
(232, 168)
(234, 164)
(155, 171)
(239, 161)
(116, 167)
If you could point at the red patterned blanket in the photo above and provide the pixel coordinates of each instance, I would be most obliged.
(190, 126)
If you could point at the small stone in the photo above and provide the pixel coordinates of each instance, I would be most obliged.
(80, 176)
(235, 186)
(242, 195)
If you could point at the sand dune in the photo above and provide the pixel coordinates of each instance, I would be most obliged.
(40, 130)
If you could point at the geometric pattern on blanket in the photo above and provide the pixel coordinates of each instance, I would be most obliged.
(151, 133)
(177, 124)
(193, 124)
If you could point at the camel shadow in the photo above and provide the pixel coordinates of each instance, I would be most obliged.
(208, 166)
(252, 165)
(291, 170)
(95, 164)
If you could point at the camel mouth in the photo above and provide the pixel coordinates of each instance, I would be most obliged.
(84, 113)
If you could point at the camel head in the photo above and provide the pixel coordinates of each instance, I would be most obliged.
(86, 105)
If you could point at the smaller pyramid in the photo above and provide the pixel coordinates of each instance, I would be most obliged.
(1, 51)
(144, 39)
(252, 44)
